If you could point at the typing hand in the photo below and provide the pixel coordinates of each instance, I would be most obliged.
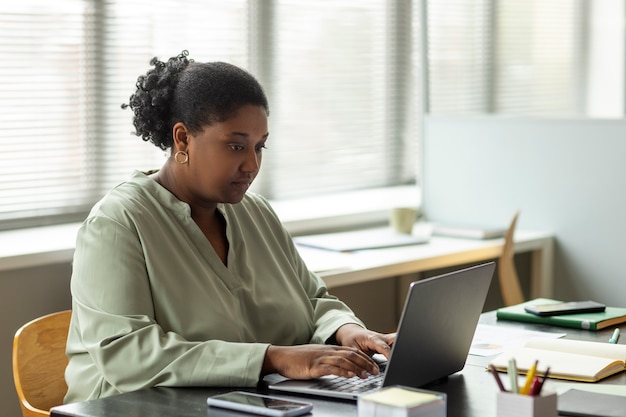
(314, 361)
(365, 340)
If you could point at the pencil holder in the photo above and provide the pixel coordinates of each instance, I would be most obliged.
(517, 405)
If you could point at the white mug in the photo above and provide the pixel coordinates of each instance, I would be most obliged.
(402, 219)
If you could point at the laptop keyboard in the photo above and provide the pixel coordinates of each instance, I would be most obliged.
(354, 385)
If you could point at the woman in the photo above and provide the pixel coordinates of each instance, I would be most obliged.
(183, 278)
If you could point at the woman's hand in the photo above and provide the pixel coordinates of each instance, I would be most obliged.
(350, 359)
(313, 361)
(365, 340)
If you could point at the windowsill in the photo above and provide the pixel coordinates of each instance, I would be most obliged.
(347, 211)
(47, 245)
(37, 246)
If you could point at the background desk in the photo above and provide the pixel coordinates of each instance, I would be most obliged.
(381, 277)
(471, 392)
(337, 268)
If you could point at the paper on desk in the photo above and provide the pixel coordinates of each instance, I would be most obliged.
(492, 340)
(319, 260)
(364, 239)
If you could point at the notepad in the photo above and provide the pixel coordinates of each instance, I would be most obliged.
(574, 360)
(401, 401)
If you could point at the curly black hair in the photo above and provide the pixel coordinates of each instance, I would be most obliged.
(197, 94)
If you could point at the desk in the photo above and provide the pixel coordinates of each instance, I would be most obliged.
(471, 392)
(440, 252)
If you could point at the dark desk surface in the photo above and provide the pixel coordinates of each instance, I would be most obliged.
(471, 392)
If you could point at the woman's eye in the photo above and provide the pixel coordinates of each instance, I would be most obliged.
(238, 148)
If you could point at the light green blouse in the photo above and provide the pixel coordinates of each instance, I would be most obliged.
(153, 304)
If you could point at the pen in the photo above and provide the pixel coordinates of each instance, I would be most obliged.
(545, 376)
(498, 380)
(530, 376)
(534, 388)
(615, 336)
(513, 375)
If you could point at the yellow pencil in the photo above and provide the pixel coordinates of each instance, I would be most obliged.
(529, 379)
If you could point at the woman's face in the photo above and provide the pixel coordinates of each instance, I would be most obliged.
(225, 157)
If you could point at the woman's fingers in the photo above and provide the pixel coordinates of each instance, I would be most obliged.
(314, 361)
(344, 360)
(365, 340)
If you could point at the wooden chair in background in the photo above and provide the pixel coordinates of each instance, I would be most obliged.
(507, 274)
(39, 363)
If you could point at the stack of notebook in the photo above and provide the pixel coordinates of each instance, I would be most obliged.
(611, 316)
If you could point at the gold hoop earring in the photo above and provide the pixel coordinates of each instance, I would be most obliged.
(184, 154)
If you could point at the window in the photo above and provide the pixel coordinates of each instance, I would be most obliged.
(558, 58)
(43, 108)
(337, 89)
(340, 85)
(344, 79)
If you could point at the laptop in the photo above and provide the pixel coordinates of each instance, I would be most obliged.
(434, 336)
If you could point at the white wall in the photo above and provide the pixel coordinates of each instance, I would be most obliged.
(566, 176)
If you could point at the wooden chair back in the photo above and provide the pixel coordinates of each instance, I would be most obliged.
(39, 363)
(507, 274)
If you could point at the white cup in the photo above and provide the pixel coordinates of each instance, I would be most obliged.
(402, 219)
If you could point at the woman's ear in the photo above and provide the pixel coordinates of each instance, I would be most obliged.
(181, 134)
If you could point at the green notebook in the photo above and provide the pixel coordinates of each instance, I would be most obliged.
(586, 321)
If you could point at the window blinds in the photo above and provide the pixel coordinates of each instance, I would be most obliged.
(72, 63)
(342, 77)
(44, 101)
(506, 56)
(333, 101)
